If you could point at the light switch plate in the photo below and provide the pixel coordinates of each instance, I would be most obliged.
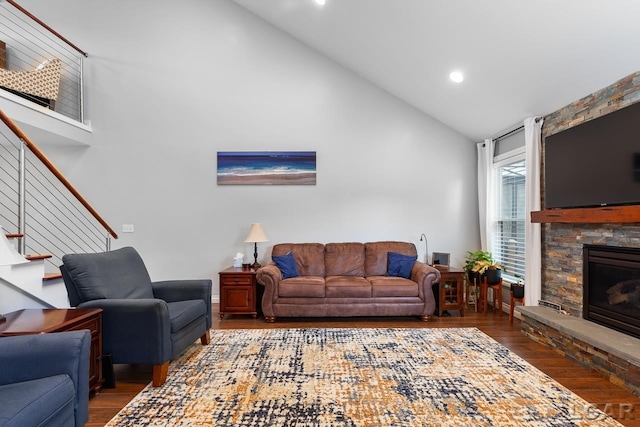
(127, 228)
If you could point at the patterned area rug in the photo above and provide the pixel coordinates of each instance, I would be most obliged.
(356, 377)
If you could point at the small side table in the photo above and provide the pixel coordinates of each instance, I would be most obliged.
(451, 289)
(238, 292)
(497, 295)
(46, 320)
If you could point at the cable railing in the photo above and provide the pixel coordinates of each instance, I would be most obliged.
(28, 44)
(38, 202)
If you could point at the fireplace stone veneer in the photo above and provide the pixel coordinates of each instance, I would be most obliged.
(614, 355)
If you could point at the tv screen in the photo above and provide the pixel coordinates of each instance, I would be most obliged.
(596, 163)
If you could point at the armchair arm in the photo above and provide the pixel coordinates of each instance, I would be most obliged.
(29, 357)
(135, 330)
(270, 277)
(181, 290)
(425, 276)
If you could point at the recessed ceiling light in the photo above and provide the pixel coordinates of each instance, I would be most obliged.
(456, 76)
(320, 2)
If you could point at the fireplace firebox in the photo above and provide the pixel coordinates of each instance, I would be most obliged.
(611, 280)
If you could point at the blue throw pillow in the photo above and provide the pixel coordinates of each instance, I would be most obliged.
(287, 265)
(400, 265)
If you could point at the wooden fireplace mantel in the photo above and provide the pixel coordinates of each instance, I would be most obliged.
(601, 215)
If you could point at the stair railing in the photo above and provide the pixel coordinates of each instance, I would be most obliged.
(39, 202)
(29, 42)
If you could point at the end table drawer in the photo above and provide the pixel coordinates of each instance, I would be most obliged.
(93, 325)
(237, 280)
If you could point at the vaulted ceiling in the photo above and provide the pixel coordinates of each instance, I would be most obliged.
(519, 58)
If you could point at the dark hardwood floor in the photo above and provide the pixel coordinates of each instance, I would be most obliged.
(588, 384)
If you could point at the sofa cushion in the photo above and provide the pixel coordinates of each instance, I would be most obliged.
(400, 265)
(181, 313)
(376, 255)
(348, 287)
(286, 264)
(44, 401)
(344, 259)
(309, 257)
(385, 286)
(302, 286)
(116, 274)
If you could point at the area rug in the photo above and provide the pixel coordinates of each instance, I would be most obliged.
(356, 377)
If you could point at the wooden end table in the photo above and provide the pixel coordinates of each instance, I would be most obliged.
(451, 289)
(47, 320)
(239, 293)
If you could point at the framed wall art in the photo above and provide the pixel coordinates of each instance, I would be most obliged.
(266, 168)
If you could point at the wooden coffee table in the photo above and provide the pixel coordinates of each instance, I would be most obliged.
(46, 320)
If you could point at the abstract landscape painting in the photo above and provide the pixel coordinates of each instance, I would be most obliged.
(266, 167)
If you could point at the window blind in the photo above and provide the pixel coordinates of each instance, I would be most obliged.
(509, 218)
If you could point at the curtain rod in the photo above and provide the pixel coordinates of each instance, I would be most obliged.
(518, 129)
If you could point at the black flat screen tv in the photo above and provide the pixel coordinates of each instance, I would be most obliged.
(596, 163)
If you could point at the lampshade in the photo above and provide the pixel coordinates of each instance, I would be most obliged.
(256, 234)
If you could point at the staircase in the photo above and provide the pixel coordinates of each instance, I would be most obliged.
(44, 215)
(23, 281)
(42, 212)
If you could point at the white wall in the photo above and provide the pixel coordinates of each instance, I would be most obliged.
(172, 83)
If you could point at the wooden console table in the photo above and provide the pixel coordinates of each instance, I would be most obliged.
(451, 290)
(47, 320)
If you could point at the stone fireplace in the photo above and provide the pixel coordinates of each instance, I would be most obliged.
(562, 258)
(562, 243)
(562, 261)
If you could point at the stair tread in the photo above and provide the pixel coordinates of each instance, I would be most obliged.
(32, 257)
(52, 276)
(14, 235)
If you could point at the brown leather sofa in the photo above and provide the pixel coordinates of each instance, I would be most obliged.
(347, 279)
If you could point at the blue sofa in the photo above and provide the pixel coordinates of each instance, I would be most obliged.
(44, 379)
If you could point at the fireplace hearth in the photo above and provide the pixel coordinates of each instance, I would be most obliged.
(611, 279)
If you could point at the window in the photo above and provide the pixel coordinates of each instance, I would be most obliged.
(508, 221)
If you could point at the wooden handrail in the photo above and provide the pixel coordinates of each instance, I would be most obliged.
(51, 30)
(54, 170)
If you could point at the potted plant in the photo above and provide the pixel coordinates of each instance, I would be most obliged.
(481, 263)
(518, 288)
(472, 259)
(490, 269)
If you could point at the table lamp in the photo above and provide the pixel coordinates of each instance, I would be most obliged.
(256, 234)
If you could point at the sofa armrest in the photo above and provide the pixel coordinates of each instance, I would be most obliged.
(425, 276)
(182, 290)
(137, 330)
(270, 277)
(30, 357)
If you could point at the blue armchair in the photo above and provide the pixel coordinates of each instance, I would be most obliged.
(143, 322)
(44, 379)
